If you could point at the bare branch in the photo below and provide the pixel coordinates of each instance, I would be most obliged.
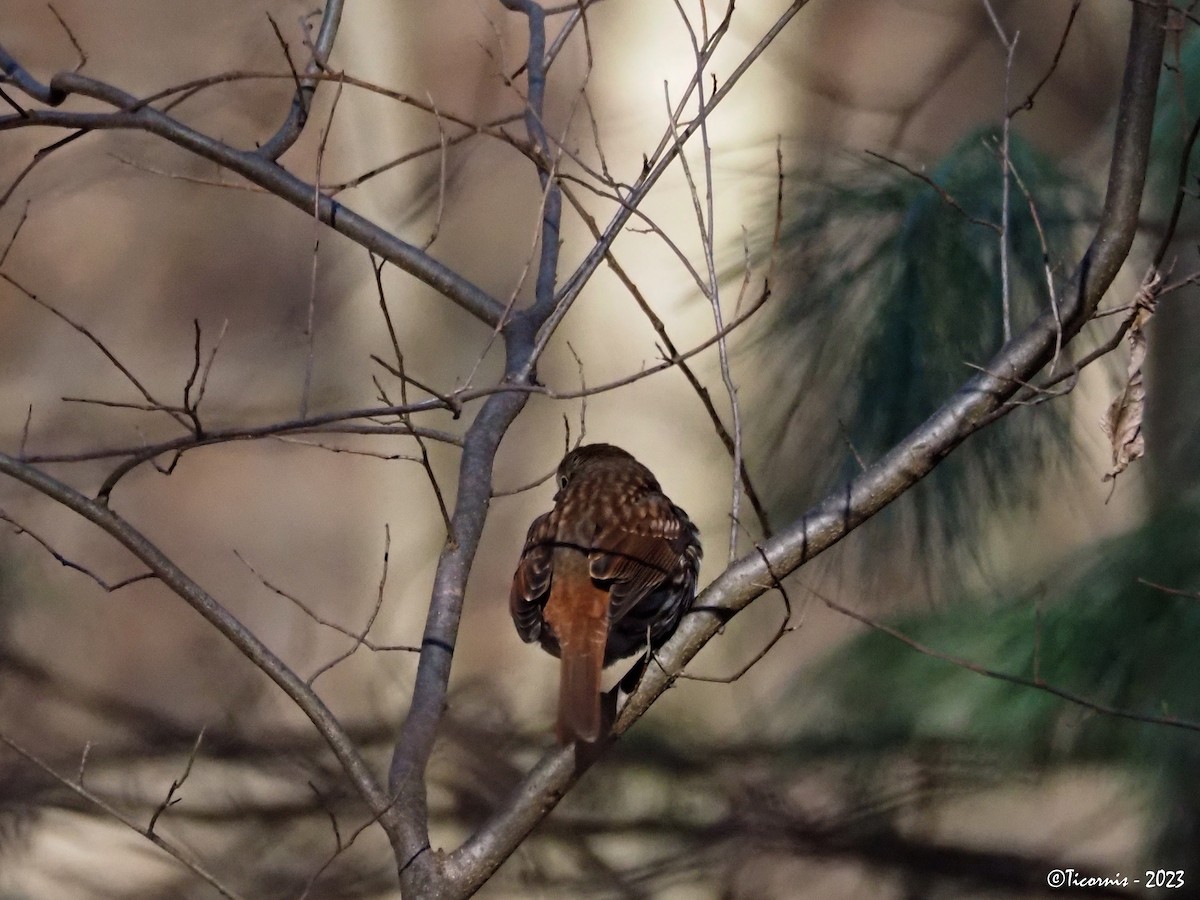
(310, 325)
(330, 423)
(188, 179)
(359, 638)
(25, 432)
(444, 144)
(293, 126)
(102, 347)
(37, 158)
(1041, 233)
(705, 220)
(170, 800)
(212, 356)
(119, 404)
(1010, 47)
(16, 231)
(1185, 157)
(1027, 103)
(331, 448)
(534, 111)
(404, 380)
(220, 618)
(162, 843)
(107, 586)
(136, 114)
(83, 58)
(1174, 592)
(785, 627)
(15, 73)
(1036, 682)
(946, 196)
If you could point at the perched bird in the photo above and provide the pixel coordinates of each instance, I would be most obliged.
(608, 572)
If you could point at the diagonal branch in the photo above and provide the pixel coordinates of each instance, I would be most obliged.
(148, 832)
(220, 618)
(132, 114)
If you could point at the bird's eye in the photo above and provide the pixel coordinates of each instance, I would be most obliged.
(562, 481)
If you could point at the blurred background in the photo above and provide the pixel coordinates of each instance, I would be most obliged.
(845, 763)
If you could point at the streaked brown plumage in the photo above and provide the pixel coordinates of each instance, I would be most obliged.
(607, 573)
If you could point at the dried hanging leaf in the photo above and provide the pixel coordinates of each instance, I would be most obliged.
(1122, 423)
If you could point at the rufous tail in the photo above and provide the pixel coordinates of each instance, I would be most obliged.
(578, 612)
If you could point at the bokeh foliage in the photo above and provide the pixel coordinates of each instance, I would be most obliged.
(891, 293)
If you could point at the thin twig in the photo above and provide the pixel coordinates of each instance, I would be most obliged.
(1010, 47)
(1027, 103)
(360, 639)
(1185, 158)
(785, 627)
(340, 847)
(330, 423)
(443, 141)
(83, 57)
(310, 334)
(334, 188)
(170, 800)
(426, 464)
(1041, 233)
(16, 231)
(1174, 592)
(191, 379)
(120, 404)
(103, 348)
(946, 196)
(669, 147)
(184, 177)
(705, 220)
(83, 761)
(25, 432)
(132, 113)
(308, 611)
(108, 587)
(37, 159)
(652, 227)
(212, 356)
(350, 451)
(1036, 683)
(287, 51)
(1044, 392)
(162, 843)
(224, 622)
(305, 87)
(1071, 374)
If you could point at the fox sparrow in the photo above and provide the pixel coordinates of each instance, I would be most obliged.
(608, 572)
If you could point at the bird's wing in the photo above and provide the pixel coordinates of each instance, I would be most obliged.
(640, 552)
(531, 581)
